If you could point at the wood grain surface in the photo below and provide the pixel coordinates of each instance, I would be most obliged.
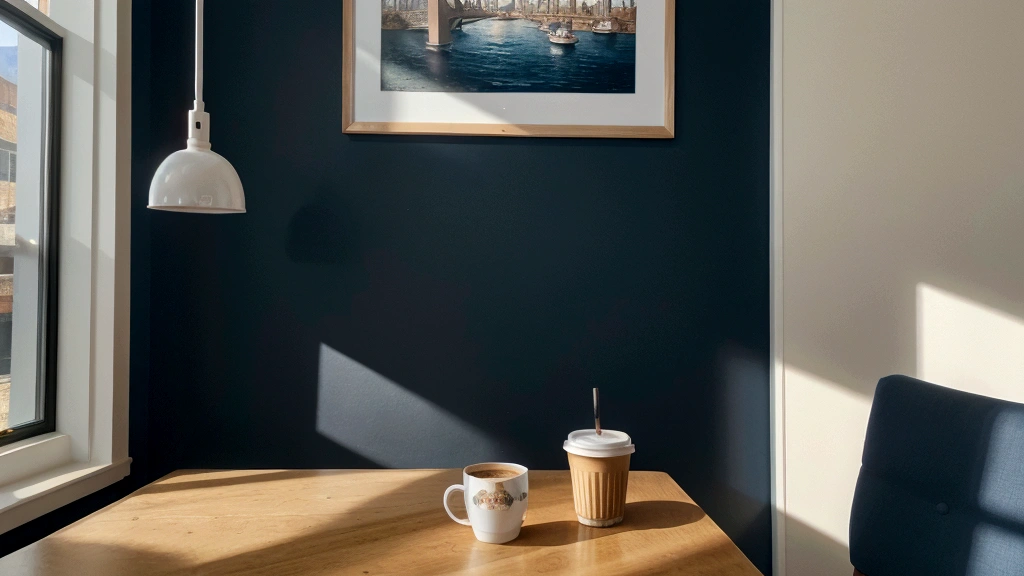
(373, 522)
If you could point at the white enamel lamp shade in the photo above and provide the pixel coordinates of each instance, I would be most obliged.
(196, 180)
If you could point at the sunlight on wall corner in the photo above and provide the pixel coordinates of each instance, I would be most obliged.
(969, 346)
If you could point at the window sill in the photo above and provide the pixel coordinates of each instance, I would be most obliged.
(30, 498)
(33, 456)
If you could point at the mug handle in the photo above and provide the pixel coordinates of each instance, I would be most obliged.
(447, 493)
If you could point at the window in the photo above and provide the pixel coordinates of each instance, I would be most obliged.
(30, 69)
(84, 405)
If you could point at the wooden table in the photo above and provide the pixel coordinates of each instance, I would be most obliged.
(373, 522)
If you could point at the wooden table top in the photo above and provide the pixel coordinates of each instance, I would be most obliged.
(368, 522)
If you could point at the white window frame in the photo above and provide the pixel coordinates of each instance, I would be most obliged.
(89, 449)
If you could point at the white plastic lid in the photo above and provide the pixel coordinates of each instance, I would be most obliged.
(606, 445)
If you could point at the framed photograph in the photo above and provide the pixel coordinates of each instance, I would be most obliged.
(573, 68)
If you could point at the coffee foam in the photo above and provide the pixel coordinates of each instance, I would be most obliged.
(494, 473)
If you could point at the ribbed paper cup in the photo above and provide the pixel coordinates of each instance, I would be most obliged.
(599, 465)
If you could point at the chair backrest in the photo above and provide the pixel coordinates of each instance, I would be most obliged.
(941, 485)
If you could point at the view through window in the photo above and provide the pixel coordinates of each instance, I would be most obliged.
(26, 131)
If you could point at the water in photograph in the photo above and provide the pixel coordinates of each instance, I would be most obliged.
(508, 56)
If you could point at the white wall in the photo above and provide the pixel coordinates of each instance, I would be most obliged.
(902, 229)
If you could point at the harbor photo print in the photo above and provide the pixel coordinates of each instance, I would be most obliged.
(569, 46)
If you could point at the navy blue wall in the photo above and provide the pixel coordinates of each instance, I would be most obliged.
(458, 269)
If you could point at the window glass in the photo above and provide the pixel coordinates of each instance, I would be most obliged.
(24, 117)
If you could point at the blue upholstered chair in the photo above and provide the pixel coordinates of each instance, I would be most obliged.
(941, 485)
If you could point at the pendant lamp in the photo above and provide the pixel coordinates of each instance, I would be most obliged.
(197, 179)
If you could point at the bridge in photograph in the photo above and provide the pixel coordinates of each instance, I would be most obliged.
(442, 15)
(438, 17)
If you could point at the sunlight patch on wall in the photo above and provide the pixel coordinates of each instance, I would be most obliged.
(821, 419)
(969, 346)
(378, 419)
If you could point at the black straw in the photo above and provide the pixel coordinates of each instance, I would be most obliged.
(597, 412)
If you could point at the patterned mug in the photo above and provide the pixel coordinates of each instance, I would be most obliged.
(496, 497)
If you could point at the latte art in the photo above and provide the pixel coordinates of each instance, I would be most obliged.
(499, 499)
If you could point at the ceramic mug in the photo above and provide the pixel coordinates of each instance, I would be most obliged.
(496, 497)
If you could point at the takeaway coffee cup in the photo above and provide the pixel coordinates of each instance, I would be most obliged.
(495, 494)
(599, 465)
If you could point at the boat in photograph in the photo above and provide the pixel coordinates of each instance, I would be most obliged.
(603, 27)
(563, 36)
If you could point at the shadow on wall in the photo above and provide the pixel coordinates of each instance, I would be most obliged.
(830, 558)
(855, 257)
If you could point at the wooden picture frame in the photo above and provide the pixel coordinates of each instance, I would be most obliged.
(350, 125)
